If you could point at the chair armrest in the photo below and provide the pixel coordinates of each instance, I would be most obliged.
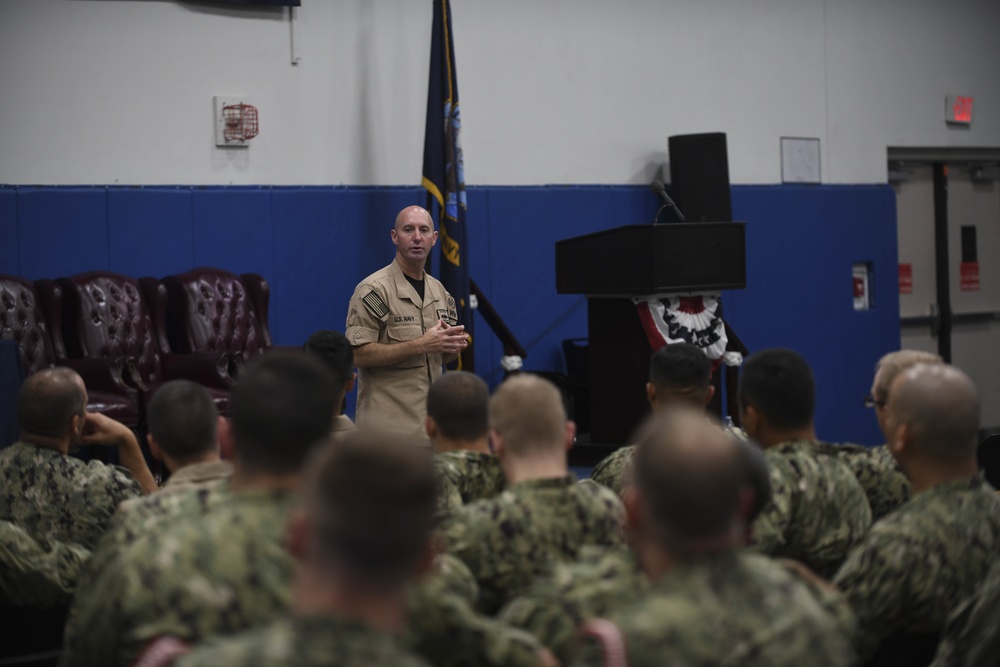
(101, 375)
(207, 368)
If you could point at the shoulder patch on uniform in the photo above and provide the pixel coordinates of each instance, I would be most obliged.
(375, 304)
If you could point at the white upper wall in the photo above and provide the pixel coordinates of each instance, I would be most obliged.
(552, 91)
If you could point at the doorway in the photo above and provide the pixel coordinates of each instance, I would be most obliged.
(948, 230)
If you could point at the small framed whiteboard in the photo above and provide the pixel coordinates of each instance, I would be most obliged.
(800, 160)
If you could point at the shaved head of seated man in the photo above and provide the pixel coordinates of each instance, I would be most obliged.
(708, 601)
(543, 517)
(920, 561)
(54, 496)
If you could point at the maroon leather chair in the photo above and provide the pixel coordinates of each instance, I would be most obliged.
(106, 318)
(211, 311)
(31, 315)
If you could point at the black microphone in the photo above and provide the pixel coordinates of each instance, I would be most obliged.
(660, 189)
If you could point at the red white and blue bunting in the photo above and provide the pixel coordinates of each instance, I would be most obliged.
(694, 318)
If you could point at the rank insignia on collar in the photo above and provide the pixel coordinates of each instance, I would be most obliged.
(376, 305)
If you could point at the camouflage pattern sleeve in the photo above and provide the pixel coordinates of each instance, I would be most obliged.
(556, 606)
(448, 632)
(302, 642)
(610, 471)
(970, 637)
(94, 637)
(870, 579)
(769, 530)
(450, 576)
(36, 574)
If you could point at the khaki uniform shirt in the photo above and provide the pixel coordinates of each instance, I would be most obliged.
(386, 309)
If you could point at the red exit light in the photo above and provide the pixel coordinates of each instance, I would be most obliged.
(958, 109)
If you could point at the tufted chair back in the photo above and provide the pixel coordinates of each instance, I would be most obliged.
(211, 310)
(22, 319)
(106, 317)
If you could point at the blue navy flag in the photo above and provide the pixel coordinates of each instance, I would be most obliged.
(444, 172)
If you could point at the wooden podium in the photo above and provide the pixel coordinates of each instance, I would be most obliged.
(615, 265)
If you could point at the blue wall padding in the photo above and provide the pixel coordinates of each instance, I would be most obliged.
(801, 243)
(151, 231)
(313, 244)
(8, 232)
(61, 231)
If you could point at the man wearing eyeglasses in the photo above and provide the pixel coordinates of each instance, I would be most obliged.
(880, 476)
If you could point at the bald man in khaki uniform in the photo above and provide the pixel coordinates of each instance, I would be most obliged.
(404, 327)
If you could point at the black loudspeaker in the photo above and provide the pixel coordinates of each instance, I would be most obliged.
(699, 176)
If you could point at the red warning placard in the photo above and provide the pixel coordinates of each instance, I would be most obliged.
(906, 279)
(970, 277)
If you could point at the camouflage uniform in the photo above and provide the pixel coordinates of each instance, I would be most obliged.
(447, 631)
(878, 473)
(970, 637)
(613, 470)
(610, 470)
(818, 510)
(508, 540)
(37, 574)
(556, 606)
(475, 475)
(134, 519)
(736, 608)
(58, 498)
(219, 573)
(309, 640)
(917, 564)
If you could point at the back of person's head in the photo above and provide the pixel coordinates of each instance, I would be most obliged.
(893, 364)
(779, 385)
(940, 408)
(689, 475)
(527, 414)
(680, 366)
(458, 402)
(48, 401)
(333, 348)
(183, 420)
(370, 500)
(282, 406)
(679, 373)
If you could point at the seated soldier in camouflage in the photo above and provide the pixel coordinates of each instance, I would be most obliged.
(333, 348)
(880, 476)
(457, 425)
(184, 432)
(53, 496)
(37, 574)
(679, 374)
(918, 563)
(556, 606)
(970, 637)
(225, 570)
(710, 602)
(363, 532)
(543, 517)
(818, 510)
